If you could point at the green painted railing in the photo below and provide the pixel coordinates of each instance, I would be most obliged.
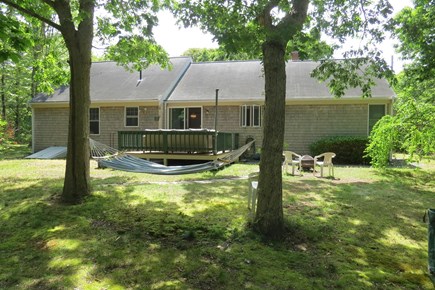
(178, 141)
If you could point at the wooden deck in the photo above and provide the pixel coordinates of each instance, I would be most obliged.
(188, 144)
(178, 141)
(165, 157)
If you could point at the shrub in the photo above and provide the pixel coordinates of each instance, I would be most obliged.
(348, 149)
(383, 139)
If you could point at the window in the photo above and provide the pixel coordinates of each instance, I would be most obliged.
(94, 121)
(132, 116)
(250, 116)
(376, 112)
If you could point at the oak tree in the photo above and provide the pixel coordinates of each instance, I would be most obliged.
(273, 28)
(128, 25)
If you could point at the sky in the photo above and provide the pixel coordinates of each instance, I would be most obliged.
(176, 40)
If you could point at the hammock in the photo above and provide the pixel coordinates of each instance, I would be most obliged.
(112, 158)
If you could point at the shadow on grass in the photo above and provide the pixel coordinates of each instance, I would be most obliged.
(114, 238)
(370, 232)
(340, 235)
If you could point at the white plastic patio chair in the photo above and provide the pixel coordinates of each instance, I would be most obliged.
(252, 192)
(327, 162)
(294, 159)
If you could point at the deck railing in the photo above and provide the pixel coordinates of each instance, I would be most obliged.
(178, 141)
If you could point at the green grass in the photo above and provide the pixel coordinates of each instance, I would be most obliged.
(363, 230)
(13, 151)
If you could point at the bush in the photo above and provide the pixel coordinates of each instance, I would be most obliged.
(383, 139)
(348, 149)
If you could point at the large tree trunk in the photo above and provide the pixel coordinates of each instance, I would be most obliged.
(79, 43)
(77, 177)
(269, 217)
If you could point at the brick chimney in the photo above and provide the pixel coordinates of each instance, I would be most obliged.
(295, 55)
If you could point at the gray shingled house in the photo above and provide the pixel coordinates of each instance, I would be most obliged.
(184, 98)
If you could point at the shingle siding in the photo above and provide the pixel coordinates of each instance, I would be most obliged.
(51, 125)
(306, 124)
(112, 120)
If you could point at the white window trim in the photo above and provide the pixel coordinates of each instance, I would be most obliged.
(125, 117)
(242, 116)
(99, 120)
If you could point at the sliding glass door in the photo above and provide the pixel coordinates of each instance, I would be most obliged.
(185, 118)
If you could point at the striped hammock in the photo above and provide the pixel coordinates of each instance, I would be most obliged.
(112, 158)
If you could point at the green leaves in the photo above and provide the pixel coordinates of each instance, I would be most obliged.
(416, 29)
(14, 38)
(412, 128)
(232, 23)
(310, 46)
(127, 28)
(351, 73)
(216, 54)
(137, 50)
(127, 17)
(383, 138)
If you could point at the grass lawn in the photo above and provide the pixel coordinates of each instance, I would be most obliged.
(363, 230)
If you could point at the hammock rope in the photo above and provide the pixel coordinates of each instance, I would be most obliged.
(112, 158)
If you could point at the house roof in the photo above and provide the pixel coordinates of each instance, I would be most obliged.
(237, 81)
(112, 83)
(243, 80)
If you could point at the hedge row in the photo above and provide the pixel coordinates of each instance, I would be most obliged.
(348, 149)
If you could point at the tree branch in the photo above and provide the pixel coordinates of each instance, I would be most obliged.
(31, 13)
(365, 18)
(297, 15)
(49, 3)
(265, 19)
